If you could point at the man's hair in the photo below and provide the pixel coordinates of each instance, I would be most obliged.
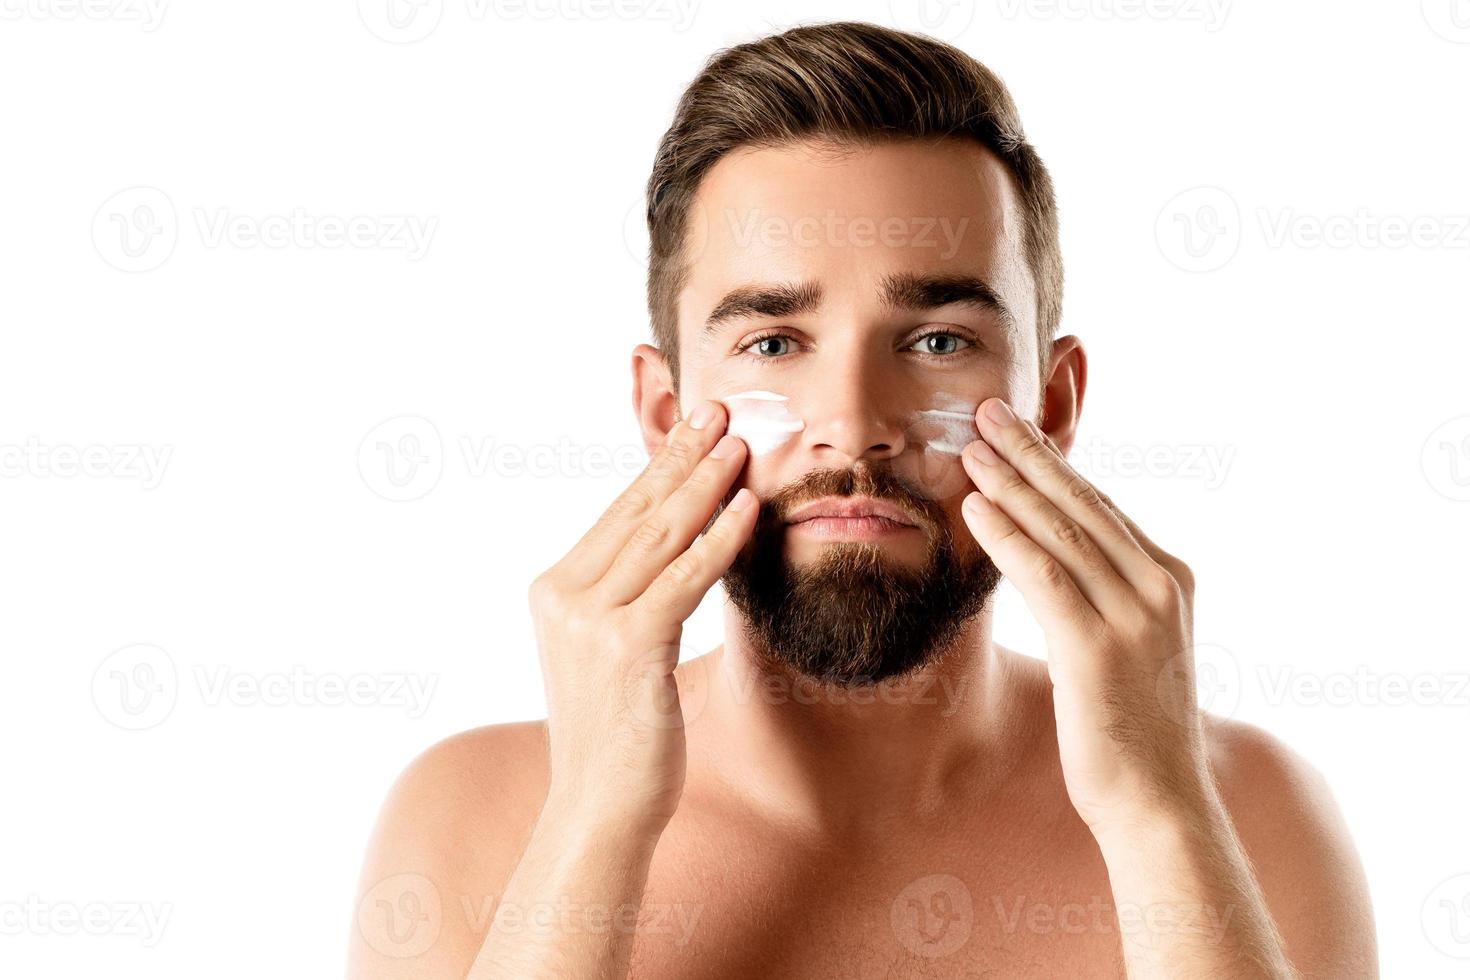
(849, 84)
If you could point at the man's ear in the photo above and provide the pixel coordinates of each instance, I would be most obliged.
(1062, 391)
(655, 402)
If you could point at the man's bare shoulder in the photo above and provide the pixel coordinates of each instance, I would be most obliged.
(447, 838)
(501, 762)
(464, 808)
(1300, 846)
(494, 769)
(1266, 784)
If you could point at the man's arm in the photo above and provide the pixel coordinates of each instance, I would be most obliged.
(1117, 611)
(574, 861)
(608, 618)
(1272, 838)
(1187, 903)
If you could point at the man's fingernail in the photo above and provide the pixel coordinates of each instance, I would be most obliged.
(980, 449)
(703, 414)
(727, 446)
(999, 412)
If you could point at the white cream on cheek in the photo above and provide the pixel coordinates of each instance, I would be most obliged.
(762, 419)
(948, 428)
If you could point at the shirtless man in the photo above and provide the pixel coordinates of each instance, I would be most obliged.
(858, 782)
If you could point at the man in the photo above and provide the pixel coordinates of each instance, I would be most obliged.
(860, 399)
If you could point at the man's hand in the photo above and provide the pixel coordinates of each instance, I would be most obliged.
(1116, 611)
(1117, 614)
(608, 620)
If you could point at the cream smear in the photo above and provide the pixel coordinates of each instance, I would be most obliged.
(762, 419)
(947, 428)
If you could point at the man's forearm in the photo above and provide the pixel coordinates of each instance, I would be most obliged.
(570, 908)
(1188, 904)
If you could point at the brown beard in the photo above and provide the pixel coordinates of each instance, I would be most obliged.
(854, 617)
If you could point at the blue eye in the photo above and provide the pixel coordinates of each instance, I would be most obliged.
(775, 346)
(768, 346)
(924, 340)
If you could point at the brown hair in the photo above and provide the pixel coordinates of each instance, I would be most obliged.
(849, 83)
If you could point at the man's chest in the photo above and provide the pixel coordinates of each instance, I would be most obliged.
(739, 908)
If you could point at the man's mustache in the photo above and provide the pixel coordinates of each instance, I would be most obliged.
(863, 479)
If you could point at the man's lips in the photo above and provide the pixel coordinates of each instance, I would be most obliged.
(849, 508)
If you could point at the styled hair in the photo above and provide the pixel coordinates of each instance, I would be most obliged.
(849, 84)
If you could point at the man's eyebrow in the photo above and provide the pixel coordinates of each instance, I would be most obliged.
(904, 291)
(899, 292)
(780, 299)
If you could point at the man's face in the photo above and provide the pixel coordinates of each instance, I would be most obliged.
(871, 298)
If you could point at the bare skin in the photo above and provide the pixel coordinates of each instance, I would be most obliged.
(775, 892)
(994, 815)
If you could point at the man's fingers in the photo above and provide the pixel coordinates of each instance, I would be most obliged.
(688, 442)
(1160, 557)
(1035, 457)
(1042, 581)
(1050, 528)
(667, 533)
(678, 589)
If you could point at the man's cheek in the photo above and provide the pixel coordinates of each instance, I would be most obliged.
(763, 419)
(938, 435)
(938, 476)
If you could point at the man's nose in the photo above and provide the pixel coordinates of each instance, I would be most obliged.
(850, 416)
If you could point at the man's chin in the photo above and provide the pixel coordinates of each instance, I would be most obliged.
(853, 604)
(856, 615)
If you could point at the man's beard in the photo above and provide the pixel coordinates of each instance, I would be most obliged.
(854, 617)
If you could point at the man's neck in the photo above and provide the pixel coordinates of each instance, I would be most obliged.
(841, 758)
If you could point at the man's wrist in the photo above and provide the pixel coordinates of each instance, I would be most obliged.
(579, 820)
(1163, 821)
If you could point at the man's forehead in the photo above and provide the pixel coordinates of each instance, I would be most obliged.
(954, 175)
(856, 217)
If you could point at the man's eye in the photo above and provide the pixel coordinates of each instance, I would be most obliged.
(770, 346)
(928, 343)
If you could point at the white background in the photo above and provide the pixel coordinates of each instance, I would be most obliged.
(207, 774)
